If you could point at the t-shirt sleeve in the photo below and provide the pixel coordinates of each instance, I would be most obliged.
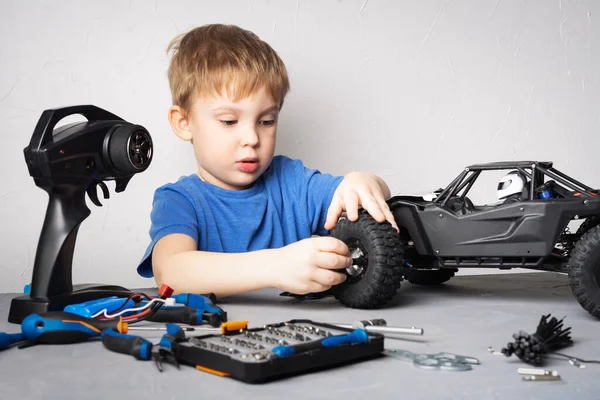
(172, 212)
(317, 189)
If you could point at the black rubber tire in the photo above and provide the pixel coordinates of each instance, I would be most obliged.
(429, 277)
(589, 222)
(584, 271)
(380, 279)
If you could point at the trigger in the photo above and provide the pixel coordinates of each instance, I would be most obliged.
(104, 189)
(92, 192)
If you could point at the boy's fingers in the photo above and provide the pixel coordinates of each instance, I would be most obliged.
(332, 261)
(373, 207)
(389, 215)
(333, 213)
(317, 287)
(310, 287)
(351, 205)
(328, 278)
(330, 244)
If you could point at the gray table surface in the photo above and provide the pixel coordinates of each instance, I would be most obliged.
(465, 316)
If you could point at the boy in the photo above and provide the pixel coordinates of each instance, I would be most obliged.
(244, 220)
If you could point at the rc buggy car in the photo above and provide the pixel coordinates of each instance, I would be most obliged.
(526, 228)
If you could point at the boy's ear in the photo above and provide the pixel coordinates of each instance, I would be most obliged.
(180, 123)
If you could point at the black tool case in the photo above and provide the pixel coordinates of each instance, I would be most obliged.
(235, 354)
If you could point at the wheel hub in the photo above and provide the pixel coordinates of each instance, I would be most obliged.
(359, 263)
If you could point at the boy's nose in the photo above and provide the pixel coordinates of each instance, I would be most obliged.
(249, 137)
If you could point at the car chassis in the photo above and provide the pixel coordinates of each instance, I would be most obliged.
(441, 234)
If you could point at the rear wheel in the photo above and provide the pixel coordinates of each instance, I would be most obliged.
(375, 276)
(584, 271)
(589, 223)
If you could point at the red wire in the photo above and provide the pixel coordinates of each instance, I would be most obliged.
(129, 317)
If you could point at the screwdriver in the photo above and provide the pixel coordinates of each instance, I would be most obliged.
(380, 326)
(225, 327)
(356, 336)
(60, 327)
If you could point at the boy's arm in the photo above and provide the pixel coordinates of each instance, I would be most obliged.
(360, 189)
(302, 267)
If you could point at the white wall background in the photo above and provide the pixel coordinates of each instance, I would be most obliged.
(394, 87)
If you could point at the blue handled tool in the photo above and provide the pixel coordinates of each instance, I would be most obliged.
(143, 349)
(7, 339)
(356, 336)
(174, 334)
(59, 327)
(131, 345)
(214, 315)
(196, 309)
(197, 301)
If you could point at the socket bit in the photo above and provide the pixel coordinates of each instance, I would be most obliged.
(387, 331)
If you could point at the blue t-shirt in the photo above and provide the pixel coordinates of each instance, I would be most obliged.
(287, 203)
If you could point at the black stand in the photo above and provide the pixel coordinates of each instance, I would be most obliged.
(24, 305)
(52, 286)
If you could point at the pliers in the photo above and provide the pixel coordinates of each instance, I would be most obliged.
(143, 349)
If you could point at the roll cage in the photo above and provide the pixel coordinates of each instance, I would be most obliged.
(535, 171)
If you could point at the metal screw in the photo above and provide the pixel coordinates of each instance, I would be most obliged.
(575, 362)
(441, 215)
(437, 252)
(521, 209)
(494, 352)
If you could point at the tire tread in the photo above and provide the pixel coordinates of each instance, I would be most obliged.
(385, 264)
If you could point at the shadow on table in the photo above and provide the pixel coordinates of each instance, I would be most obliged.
(516, 286)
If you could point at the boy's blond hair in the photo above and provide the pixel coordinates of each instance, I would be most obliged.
(224, 59)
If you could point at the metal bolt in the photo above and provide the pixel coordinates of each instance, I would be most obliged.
(585, 202)
(521, 209)
(441, 215)
(437, 252)
(536, 371)
(575, 362)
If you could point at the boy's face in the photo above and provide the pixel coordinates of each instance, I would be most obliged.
(234, 143)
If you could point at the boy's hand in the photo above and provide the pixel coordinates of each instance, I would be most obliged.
(364, 189)
(308, 265)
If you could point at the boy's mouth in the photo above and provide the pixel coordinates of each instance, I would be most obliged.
(247, 164)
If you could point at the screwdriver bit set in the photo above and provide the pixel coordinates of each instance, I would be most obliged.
(278, 350)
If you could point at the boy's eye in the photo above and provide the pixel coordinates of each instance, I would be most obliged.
(228, 122)
(269, 122)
